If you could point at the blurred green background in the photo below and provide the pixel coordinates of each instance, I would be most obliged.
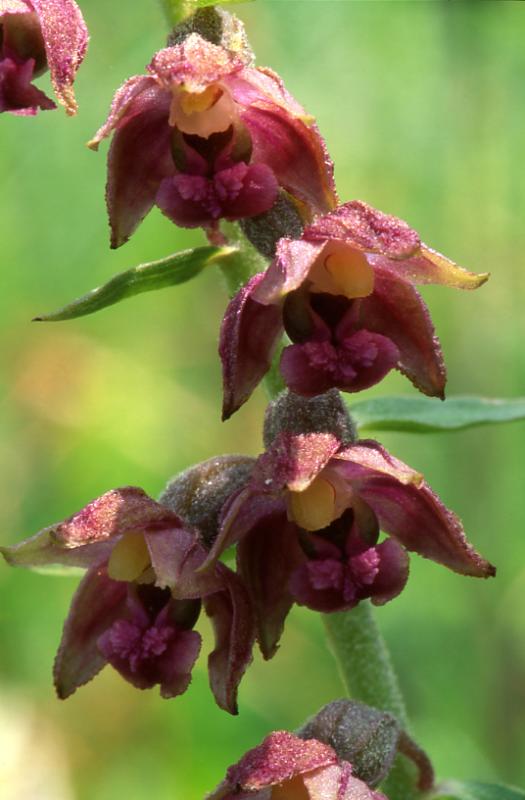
(422, 107)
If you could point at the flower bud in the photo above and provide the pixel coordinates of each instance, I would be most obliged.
(293, 413)
(265, 230)
(368, 738)
(198, 493)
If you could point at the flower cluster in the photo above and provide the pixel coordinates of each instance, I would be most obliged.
(204, 136)
(321, 518)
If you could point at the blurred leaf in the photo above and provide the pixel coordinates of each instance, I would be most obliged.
(468, 790)
(430, 415)
(170, 271)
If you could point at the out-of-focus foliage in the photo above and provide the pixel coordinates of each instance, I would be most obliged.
(421, 105)
(430, 415)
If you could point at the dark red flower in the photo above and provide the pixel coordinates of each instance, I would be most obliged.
(140, 598)
(204, 136)
(307, 522)
(344, 294)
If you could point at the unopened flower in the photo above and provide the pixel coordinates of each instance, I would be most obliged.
(36, 35)
(204, 136)
(285, 767)
(140, 598)
(344, 293)
(307, 525)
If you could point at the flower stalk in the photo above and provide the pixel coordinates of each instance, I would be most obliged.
(368, 675)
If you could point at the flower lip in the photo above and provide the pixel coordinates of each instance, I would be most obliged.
(340, 269)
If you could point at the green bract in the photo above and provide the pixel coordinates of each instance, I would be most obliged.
(170, 271)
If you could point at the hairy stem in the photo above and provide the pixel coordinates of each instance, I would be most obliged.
(368, 675)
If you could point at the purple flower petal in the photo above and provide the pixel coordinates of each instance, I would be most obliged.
(139, 159)
(97, 603)
(279, 758)
(393, 572)
(176, 556)
(408, 509)
(234, 193)
(114, 513)
(356, 363)
(296, 154)
(232, 617)
(367, 229)
(396, 310)
(149, 648)
(66, 39)
(249, 335)
(266, 558)
(293, 461)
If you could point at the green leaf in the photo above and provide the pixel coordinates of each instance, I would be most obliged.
(470, 790)
(430, 415)
(170, 271)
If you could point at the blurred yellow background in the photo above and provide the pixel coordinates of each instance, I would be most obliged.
(422, 107)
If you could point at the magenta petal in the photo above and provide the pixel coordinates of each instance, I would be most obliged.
(241, 513)
(266, 558)
(66, 39)
(175, 669)
(408, 509)
(87, 537)
(17, 94)
(290, 268)
(232, 617)
(249, 335)
(139, 159)
(293, 461)
(295, 152)
(176, 555)
(114, 513)
(188, 200)
(280, 757)
(338, 783)
(151, 649)
(396, 310)
(245, 191)
(393, 572)
(97, 603)
(358, 362)
(358, 224)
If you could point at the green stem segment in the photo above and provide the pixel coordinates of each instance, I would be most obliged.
(364, 662)
(176, 10)
(368, 675)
